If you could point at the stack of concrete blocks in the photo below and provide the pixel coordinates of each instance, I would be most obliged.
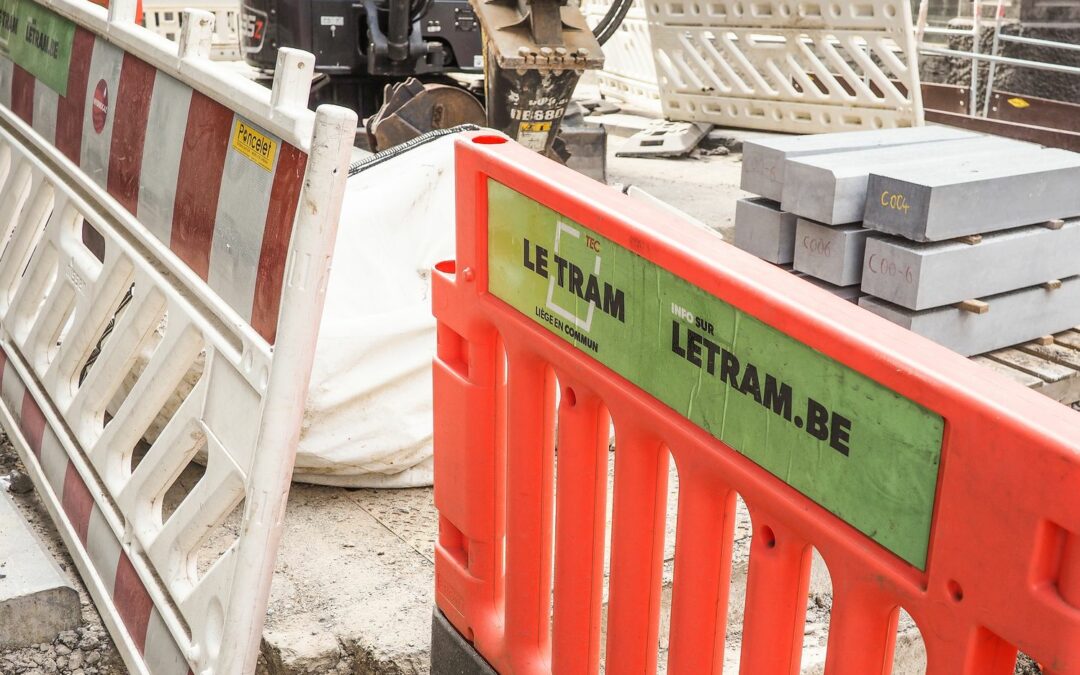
(972, 241)
(985, 250)
(812, 228)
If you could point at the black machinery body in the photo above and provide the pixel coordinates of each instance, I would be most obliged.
(362, 45)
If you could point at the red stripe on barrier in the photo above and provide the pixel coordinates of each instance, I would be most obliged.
(277, 233)
(78, 503)
(198, 182)
(22, 94)
(132, 601)
(129, 130)
(71, 108)
(32, 423)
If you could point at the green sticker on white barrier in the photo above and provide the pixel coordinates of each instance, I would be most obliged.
(857, 448)
(38, 40)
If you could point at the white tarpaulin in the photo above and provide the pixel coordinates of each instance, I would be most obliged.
(367, 422)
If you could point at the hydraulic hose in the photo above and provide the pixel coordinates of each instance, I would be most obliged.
(612, 20)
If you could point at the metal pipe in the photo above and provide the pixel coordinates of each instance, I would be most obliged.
(1023, 63)
(976, 38)
(1036, 42)
(938, 30)
(993, 52)
(397, 33)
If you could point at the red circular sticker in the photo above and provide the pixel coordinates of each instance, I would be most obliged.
(101, 105)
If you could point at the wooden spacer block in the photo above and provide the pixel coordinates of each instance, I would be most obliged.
(1045, 340)
(974, 306)
(1052, 285)
(970, 239)
(1055, 224)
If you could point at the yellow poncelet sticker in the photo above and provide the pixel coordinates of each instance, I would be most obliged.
(255, 145)
(1018, 103)
(535, 127)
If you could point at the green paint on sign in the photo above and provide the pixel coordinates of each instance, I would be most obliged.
(858, 449)
(38, 40)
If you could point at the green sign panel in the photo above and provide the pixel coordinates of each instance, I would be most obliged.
(858, 449)
(38, 40)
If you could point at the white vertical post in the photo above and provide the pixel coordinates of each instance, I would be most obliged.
(913, 36)
(123, 11)
(306, 273)
(292, 79)
(196, 34)
(998, 11)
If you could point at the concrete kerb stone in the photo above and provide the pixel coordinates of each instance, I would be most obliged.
(1013, 317)
(832, 254)
(763, 229)
(922, 276)
(832, 188)
(37, 601)
(764, 159)
(947, 197)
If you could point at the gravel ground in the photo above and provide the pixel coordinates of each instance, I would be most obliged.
(87, 650)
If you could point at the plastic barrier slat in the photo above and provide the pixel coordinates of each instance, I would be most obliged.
(580, 498)
(702, 573)
(987, 568)
(640, 496)
(531, 394)
(863, 634)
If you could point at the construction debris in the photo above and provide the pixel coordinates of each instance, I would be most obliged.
(664, 139)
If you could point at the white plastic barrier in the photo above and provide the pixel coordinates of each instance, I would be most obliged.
(787, 65)
(162, 216)
(164, 19)
(628, 74)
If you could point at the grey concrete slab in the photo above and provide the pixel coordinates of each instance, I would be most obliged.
(37, 601)
(921, 276)
(947, 197)
(832, 188)
(763, 229)
(664, 139)
(763, 159)
(832, 254)
(1014, 317)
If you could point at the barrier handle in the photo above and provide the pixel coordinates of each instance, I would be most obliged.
(306, 273)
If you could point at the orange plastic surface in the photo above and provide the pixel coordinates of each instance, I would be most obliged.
(1003, 571)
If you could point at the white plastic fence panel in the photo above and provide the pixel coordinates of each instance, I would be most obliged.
(786, 65)
(165, 225)
(629, 74)
(165, 18)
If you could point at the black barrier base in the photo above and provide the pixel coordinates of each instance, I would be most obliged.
(451, 654)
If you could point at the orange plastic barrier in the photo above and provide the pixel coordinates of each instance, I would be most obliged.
(926, 482)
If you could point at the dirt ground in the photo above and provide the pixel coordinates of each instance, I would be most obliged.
(87, 650)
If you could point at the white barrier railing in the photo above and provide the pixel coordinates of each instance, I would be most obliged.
(801, 67)
(169, 229)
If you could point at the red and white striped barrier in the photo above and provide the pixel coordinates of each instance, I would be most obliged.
(175, 159)
(152, 208)
(131, 603)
